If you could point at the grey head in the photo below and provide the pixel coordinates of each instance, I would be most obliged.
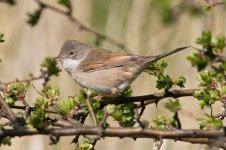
(73, 49)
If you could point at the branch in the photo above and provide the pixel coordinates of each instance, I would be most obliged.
(83, 27)
(119, 132)
(151, 98)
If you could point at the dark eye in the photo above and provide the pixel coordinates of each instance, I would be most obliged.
(71, 52)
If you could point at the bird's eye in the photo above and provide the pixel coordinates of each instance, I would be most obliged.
(71, 52)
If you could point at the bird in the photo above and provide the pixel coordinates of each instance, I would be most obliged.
(105, 72)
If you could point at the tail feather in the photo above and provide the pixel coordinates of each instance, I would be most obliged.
(158, 57)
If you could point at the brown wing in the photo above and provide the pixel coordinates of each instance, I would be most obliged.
(106, 59)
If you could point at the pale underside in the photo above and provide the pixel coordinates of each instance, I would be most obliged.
(110, 75)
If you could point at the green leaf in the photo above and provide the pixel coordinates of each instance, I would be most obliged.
(205, 39)
(10, 99)
(157, 68)
(65, 106)
(110, 108)
(217, 73)
(41, 103)
(222, 90)
(6, 141)
(15, 91)
(164, 81)
(128, 92)
(50, 66)
(85, 146)
(218, 43)
(205, 78)
(1, 37)
(36, 119)
(99, 115)
(124, 114)
(180, 82)
(199, 60)
(35, 16)
(65, 3)
(51, 92)
(207, 7)
(206, 97)
(19, 87)
(207, 122)
(173, 105)
(162, 122)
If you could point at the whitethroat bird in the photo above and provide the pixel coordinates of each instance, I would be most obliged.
(106, 73)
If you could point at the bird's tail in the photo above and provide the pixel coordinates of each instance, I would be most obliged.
(158, 57)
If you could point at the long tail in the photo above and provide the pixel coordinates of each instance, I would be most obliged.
(158, 57)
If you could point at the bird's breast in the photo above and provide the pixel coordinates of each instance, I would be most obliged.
(70, 64)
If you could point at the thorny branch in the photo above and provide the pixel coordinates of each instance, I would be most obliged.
(193, 136)
(151, 98)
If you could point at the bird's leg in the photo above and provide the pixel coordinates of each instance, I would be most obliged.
(93, 116)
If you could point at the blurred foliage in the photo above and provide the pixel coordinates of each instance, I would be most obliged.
(99, 17)
(1, 37)
(173, 105)
(34, 17)
(10, 2)
(169, 12)
(49, 65)
(6, 141)
(165, 10)
(65, 3)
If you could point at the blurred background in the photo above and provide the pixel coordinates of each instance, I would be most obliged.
(145, 27)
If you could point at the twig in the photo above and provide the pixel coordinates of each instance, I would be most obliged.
(176, 118)
(142, 105)
(160, 144)
(215, 3)
(104, 120)
(137, 118)
(24, 80)
(83, 27)
(12, 117)
(93, 116)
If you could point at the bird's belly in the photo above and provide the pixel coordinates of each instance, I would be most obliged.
(105, 82)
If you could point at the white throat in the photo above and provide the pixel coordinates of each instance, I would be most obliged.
(70, 64)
